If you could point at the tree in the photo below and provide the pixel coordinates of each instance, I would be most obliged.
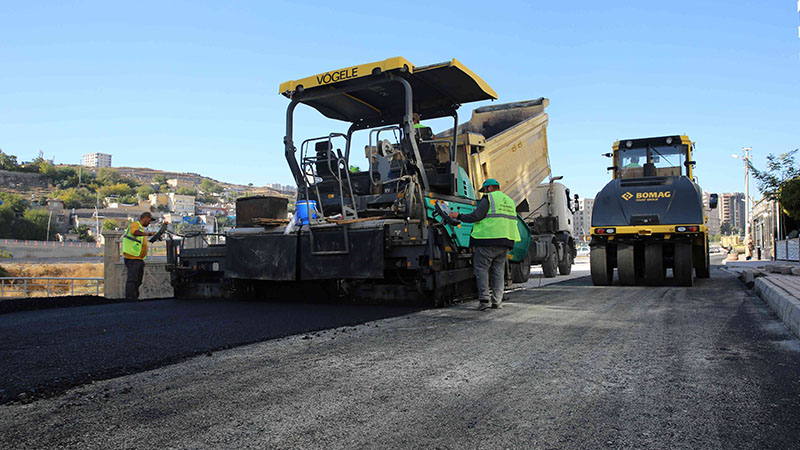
(781, 181)
(8, 162)
(790, 197)
(7, 217)
(726, 228)
(75, 198)
(210, 186)
(160, 179)
(66, 177)
(109, 224)
(186, 191)
(34, 224)
(144, 191)
(108, 176)
(16, 202)
(47, 169)
(118, 189)
(83, 234)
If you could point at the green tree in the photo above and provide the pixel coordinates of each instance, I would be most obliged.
(47, 169)
(83, 234)
(35, 223)
(109, 224)
(186, 191)
(66, 177)
(16, 202)
(75, 198)
(118, 189)
(160, 179)
(7, 217)
(209, 186)
(790, 197)
(108, 177)
(726, 228)
(781, 181)
(144, 191)
(8, 162)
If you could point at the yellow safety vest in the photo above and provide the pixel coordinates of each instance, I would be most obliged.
(500, 221)
(132, 245)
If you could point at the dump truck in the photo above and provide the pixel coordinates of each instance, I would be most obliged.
(383, 233)
(650, 217)
(508, 142)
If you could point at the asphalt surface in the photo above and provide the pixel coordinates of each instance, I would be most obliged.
(47, 351)
(566, 365)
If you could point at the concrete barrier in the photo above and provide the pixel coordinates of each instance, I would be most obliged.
(156, 282)
(779, 291)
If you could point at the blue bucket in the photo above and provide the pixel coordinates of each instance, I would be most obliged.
(303, 209)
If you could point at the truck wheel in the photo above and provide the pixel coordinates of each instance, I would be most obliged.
(521, 272)
(565, 264)
(682, 268)
(550, 264)
(626, 266)
(654, 264)
(602, 271)
(702, 262)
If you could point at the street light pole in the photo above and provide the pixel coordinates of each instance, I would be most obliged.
(746, 192)
(746, 159)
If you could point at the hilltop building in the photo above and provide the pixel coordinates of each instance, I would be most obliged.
(96, 160)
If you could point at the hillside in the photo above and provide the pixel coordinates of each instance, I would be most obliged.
(36, 184)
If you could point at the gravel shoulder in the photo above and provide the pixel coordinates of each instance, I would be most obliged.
(567, 365)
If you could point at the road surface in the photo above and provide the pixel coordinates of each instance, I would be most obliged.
(565, 365)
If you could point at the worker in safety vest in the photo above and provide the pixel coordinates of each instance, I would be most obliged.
(493, 234)
(134, 251)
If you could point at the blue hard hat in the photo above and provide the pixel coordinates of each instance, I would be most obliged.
(489, 182)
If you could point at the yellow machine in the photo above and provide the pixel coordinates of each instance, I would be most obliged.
(650, 217)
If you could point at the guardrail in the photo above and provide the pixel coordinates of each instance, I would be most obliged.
(26, 243)
(50, 286)
(787, 249)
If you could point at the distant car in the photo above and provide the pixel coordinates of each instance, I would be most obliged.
(583, 249)
(714, 249)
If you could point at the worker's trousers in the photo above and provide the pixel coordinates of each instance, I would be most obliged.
(134, 277)
(490, 270)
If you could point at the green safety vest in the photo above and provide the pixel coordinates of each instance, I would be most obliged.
(500, 221)
(132, 245)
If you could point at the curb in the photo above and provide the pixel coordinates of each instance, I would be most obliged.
(784, 304)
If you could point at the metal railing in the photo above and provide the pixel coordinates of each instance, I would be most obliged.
(50, 286)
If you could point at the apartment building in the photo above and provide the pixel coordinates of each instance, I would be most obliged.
(96, 160)
(582, 219)
(731, 209)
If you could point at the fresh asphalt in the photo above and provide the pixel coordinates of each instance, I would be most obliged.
(565, 365)
(47, 351)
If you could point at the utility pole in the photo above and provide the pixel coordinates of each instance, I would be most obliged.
(746, 191)
(746, 159)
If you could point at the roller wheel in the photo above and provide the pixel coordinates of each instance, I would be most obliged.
(602, 271)
(654, 264)
(702, 261)
(683, 264)
(521, 272)
(626, 265)
(550, 264)
(565, 264)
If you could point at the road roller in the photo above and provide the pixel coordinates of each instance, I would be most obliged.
(650, 217)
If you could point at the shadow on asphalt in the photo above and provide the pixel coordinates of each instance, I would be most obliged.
(45, 352)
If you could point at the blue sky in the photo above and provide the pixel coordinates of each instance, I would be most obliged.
(193, 87)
